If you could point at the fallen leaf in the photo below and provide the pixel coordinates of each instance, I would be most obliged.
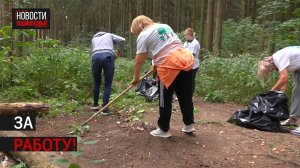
(140, 128)
(251, 162)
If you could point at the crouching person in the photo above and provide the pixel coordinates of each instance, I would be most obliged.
(284, 61)
(174, 66)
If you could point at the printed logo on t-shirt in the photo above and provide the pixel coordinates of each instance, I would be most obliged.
(165, 32)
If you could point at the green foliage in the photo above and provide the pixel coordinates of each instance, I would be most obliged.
(231, 79)
(245, 37)
(136, 116)
(288, 32)
(20, 165)
(61, 76)
(271, 7)
(216, 96)
(240, 37)
(77, 155)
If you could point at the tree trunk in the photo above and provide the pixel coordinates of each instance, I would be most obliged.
(225, 10)
(253, 14)
(202, 21)
(109, 16)
(209, 26)
(178, 15)
(218, 34)
(160, 9)
(291, 9)
(249, 8)
(19, 108)
(154, 9)
(243, 8)
(130, 18)
(194, 13)
(2, 13)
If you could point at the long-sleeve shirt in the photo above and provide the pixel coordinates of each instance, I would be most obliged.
(104, 42)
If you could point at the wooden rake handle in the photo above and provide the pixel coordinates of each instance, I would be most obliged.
(112, 101)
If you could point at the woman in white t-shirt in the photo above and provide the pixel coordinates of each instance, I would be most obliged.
(284, 61)
(174, 66)
(192, 44)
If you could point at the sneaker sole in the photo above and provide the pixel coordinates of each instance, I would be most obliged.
(105, 114)
(295, 133)
(168, 136)
(188, 131)
(289, 125)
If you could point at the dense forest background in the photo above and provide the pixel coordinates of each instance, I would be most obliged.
(54, 64)
(237, 25)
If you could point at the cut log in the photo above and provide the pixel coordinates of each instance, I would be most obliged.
(33, 159)
(6, 160)
(23, 108)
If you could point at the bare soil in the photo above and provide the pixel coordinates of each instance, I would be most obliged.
(215, 144)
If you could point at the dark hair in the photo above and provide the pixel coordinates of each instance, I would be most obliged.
(101, 28)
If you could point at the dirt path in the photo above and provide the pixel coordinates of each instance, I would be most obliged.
(215, 144)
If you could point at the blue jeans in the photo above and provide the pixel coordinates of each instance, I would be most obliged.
(102, 61)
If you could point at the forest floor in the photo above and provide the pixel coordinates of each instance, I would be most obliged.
(215, 144)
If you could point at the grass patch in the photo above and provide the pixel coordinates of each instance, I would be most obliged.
(210, 122)
(231, 79)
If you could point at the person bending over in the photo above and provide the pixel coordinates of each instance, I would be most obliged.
(103, 59)
(284, 61)
(174, 66)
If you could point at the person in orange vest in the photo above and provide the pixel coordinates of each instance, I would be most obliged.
(174, 66)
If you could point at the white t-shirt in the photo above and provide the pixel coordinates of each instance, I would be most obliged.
(288, 57)
(194, 48)
(155, 39)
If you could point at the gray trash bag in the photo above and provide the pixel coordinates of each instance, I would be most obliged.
(264, 112)
(148, 88)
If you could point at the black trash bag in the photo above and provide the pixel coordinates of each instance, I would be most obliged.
(264, 112)
(148, 88)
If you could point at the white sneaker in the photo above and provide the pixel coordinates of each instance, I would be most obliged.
(95, 108)
(160, 133)
(188, 129)
(296, 131)
(289, 122)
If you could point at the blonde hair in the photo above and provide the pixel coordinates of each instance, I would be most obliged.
(265, 67)
(190, 31)
(140, 23)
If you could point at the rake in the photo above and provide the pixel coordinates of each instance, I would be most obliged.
(107, 105)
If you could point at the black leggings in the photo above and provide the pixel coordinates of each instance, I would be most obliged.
(182, 85)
